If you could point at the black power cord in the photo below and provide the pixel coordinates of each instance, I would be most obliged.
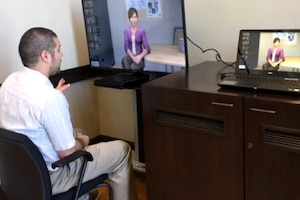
(218, 55)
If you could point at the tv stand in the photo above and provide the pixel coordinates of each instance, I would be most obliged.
(123, 80)
(131, 80)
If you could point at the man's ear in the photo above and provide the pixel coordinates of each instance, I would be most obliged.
(45, 56)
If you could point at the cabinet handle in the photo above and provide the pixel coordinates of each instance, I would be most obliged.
(249, 145)
(263, 110)
(222, 104)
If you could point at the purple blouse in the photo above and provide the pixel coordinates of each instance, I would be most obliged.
(141, 41)
(279, 54)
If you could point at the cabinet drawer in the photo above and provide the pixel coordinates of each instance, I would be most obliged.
(285, 114)
(190, 101)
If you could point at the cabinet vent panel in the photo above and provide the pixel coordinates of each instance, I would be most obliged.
(198, 123)
(282, 138)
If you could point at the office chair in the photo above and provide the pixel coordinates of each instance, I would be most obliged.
(177, 33)
(24, 174)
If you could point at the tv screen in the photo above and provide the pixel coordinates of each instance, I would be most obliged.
(164, 29)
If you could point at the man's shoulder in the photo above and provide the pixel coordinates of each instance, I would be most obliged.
(33, 91)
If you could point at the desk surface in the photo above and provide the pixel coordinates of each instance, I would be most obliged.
(195, 80)
(166, 54)
(293, 62)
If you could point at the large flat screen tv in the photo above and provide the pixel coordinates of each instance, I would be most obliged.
(162, 20)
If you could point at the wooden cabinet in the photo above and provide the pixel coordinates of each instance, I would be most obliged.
(202, 142)
(272, 149)
(193, 145)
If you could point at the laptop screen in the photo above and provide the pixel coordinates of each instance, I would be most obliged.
(272, 52)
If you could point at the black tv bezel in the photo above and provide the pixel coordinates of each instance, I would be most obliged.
(108, 71)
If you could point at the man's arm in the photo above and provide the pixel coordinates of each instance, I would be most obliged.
(81, 142)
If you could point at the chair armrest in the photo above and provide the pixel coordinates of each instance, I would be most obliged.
(87, 156)
(77, 154)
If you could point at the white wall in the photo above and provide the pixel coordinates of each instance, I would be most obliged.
(83, 105)
(216, 24)
(62, 16)
(117, 113)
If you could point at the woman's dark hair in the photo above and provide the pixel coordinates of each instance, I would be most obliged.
(276, 40)
(131, 11)
(33, 42)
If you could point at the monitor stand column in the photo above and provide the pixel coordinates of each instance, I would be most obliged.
(139, 153)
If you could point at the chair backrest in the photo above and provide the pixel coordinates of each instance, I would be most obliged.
(178, 33)
(23, 171)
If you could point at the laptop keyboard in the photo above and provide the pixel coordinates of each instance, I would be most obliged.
(262, 79)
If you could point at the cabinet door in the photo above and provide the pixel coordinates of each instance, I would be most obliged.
(193, 144)
(272, 150)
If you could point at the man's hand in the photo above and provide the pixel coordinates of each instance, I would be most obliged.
(61, 86)
(83, 139)
(81, 142)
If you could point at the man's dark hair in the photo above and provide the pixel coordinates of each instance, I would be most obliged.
(131, 11)
(33, 42)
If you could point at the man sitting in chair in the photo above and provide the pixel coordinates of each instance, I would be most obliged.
(31, 106)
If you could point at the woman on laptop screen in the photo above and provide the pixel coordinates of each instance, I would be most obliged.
(275, 56)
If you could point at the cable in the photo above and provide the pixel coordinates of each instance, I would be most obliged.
(218, 55)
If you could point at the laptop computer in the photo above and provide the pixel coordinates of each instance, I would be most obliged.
(266, 60)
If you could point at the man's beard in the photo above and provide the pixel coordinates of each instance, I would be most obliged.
(57, 70)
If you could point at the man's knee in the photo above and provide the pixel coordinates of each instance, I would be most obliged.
(123, 145)
(122, 149)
